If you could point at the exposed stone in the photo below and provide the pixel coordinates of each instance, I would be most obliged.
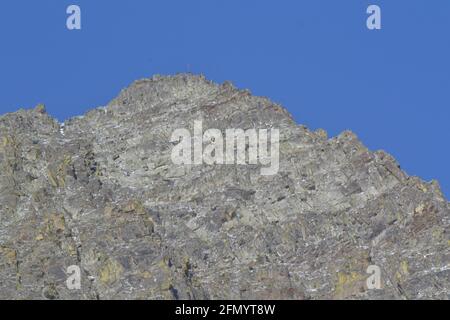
(101, 192)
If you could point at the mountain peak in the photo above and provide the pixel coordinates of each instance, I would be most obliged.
(103, 193)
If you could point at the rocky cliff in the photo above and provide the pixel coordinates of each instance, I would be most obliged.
(101, 192)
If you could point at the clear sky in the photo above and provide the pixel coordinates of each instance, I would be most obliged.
(315, 57)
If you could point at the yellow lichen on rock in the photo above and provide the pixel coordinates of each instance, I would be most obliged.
(9, 254)
(40, 108)
(54, 223)
(423, 188)
(52, 178)
(6, 141)
(135, 206)
(404, 267)
(403, 271)
(57, 177)
(145, 275)
(419, 209)
(348, 284)
(39, 237)
(110, 272)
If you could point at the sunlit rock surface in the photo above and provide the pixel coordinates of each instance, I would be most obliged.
(101, 192)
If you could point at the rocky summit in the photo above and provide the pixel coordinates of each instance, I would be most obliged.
(100, 194)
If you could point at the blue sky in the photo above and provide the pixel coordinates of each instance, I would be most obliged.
(315, 57)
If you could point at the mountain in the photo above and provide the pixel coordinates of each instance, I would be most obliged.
(101, 192)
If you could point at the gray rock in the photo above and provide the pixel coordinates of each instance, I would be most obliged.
(101, 192)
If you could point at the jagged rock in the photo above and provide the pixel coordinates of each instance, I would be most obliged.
(101, 192)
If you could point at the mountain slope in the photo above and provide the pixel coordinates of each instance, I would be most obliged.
(101, 192)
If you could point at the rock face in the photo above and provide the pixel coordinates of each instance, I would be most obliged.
(101, 192)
